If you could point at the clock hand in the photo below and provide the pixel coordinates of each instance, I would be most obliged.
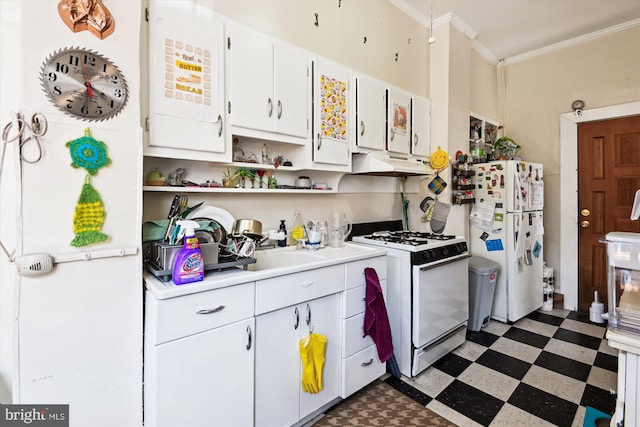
(86, 82)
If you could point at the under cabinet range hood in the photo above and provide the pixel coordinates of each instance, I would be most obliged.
(386, 165)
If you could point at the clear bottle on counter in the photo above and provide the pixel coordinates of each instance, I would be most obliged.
(297, 231)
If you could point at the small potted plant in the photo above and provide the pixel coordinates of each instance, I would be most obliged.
(505, 148)
(229, 179)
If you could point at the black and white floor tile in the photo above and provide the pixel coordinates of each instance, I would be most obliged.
(543, 370)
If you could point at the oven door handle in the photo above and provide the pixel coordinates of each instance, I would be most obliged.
(443, 262)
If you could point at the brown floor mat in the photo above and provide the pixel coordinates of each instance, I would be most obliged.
(379, 404)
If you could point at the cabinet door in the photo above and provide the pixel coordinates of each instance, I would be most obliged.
(371, 111)
(421, 126)
(291, 90)
(206, 379)
(280, 399)
(250, 79)
(186, 87)
(278, 367)
(331, 104)
(324, 314)
(398, 119)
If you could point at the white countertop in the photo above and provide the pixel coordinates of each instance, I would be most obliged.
(623, 340)
(220, 279)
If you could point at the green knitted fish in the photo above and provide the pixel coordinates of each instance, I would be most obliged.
(88, 217)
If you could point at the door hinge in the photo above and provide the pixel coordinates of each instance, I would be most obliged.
(229, 43)
(146, 124)
(146, 13)
(229, 107)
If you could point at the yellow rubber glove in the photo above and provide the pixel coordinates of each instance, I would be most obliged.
(319, 347)
(308, 369)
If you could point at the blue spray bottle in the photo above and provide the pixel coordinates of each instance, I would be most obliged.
(189, 264)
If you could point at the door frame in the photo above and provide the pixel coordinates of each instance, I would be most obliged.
(568, 274)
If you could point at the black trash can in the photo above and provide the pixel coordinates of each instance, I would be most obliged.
(483, 274)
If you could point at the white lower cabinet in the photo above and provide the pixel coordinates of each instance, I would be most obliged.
(201, 372)
(360, 362)
(288, 308)
(231, 356)
(207, 379)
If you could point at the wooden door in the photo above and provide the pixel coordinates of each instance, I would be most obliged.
(608, 177)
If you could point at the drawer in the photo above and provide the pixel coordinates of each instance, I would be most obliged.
(186, 315)
(353, 301)
(355, 270)
(353, 341)
(283, 291)
(359, 370)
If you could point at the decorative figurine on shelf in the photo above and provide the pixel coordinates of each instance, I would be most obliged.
(175, 177)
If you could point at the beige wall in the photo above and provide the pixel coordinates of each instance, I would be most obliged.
(601, 72)
(340, 34)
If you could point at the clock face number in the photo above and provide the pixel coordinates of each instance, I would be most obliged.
(84, 84)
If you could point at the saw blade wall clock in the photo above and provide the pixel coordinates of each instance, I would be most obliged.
(84, 84)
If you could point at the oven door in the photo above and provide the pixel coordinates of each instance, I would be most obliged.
(440, 301)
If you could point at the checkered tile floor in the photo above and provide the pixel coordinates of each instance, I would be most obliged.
(543, 370)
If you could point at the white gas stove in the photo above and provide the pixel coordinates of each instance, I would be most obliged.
(427, 293)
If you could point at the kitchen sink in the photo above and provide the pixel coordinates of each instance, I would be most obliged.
(283, 258)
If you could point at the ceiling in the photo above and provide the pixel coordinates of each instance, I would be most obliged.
(508, 28)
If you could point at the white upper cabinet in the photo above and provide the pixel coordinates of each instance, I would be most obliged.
(421, 127)
(186, 85)
(331, 114)
(267, 85)
(398, 119)
(370, 113)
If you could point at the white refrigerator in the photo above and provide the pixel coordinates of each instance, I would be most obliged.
(506, 226)
(72, 335)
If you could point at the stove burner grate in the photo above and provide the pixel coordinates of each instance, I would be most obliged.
(407, 237)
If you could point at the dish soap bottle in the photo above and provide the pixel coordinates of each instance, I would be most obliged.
(297, 232)
(189, 264)
(283, 229)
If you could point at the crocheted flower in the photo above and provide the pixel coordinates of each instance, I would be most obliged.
(88, 153)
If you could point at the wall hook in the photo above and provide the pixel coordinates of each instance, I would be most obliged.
(316, 24)
(339, 3)
(396, 57)
(365, 39)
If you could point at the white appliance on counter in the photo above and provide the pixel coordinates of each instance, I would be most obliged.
(506, 226)
(427, 292)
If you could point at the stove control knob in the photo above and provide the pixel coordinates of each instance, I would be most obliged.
(445, 251)
(428, 254)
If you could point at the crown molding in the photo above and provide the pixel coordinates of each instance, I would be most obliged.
(572, 42)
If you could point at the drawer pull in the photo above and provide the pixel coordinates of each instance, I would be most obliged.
(306, 283)
(367, 363)
(211, 310)
(248, 346)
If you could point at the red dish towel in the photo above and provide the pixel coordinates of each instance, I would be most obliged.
(376, 322)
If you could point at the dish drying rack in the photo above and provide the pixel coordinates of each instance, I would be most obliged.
(224, 261)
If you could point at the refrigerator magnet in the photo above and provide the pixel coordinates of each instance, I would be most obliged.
(494, 245)
(537, 247)
(498, 217)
